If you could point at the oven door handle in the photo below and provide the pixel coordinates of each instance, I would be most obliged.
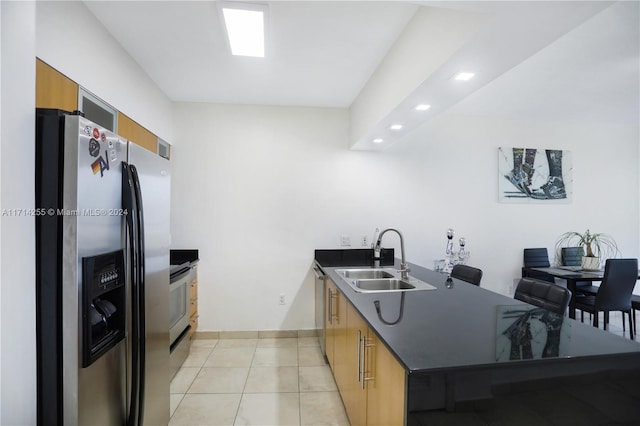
(177, 283)
(183, 273)
(318, 272)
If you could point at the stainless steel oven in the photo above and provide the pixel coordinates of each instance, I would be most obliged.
(179, 301)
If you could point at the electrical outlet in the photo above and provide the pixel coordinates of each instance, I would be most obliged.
(282, 299)
(345, 240)
(364, 241)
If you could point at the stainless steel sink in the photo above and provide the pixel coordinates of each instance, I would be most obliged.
(374, 280)
(382, 285)
(366, 273)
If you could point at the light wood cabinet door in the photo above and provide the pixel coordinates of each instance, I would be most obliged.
(341, 361)
(330, 294)
(54, 89)
(386, 387)
(354, 394)
(372, 383)
(132, 131)
(336, 329)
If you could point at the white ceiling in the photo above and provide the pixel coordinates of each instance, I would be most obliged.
(317, 53)
(592, 74)
(322, 53)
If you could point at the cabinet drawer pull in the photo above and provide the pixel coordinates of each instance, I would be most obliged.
(334, 312)
(330, 299)
(365, 345)
(359, 369)
(332, 296)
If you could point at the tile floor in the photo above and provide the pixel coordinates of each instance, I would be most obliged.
(615, 323)
(285, 381)
(268, 381)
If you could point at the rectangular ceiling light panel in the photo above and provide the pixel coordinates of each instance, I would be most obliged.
(245, 28)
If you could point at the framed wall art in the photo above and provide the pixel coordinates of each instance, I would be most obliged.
(534, 175)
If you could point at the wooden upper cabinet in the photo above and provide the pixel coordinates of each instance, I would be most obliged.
(54, 89)
(130, 130)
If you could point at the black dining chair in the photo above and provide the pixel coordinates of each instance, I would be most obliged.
(614, 293)
(536, 258)
(467, 273)
(543, 294)
(635, 305)
(572, 256)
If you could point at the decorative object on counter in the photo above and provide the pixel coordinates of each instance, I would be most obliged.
(463, 255)
(449, 282)
(531, 175)
(438, 265)
(453, 257)
(448, 254)
(597, 246)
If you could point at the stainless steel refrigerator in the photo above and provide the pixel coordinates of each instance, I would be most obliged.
(102, 276)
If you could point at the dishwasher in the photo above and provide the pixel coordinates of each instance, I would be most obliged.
(320, 308)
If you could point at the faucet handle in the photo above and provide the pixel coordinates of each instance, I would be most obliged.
(374, 241)
(404, 271)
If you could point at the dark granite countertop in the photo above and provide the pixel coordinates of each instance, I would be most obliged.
(181, 256)
(456, 328)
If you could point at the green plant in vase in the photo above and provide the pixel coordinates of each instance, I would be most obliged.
(596, 246)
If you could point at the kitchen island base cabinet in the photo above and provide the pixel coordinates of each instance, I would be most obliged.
(354, 395)
(386, 391)
(371, 382)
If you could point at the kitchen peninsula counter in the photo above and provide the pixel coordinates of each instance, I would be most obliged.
(446, 340)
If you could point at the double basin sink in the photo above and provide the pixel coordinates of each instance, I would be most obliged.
(372, 280)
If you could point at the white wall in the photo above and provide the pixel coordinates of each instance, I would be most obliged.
(450, 167)
(17, 275)
(73, 41)
(257, 189)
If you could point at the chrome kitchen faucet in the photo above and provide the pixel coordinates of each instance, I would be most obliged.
(404, 270)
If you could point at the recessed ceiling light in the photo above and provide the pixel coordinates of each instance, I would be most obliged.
(422, 107)
(464, 76)
(245, 28)
(395, 126)
(378, 140)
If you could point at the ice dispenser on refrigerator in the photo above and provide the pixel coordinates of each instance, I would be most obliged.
(103, 304)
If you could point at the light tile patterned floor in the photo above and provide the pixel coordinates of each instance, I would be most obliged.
(285, 381)
(615, 323)
(268, 381)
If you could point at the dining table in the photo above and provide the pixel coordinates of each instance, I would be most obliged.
(572, 275)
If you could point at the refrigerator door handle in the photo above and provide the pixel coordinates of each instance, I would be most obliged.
(139, 218)
(129, 205)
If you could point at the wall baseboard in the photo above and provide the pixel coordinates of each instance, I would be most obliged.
(254, 334)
